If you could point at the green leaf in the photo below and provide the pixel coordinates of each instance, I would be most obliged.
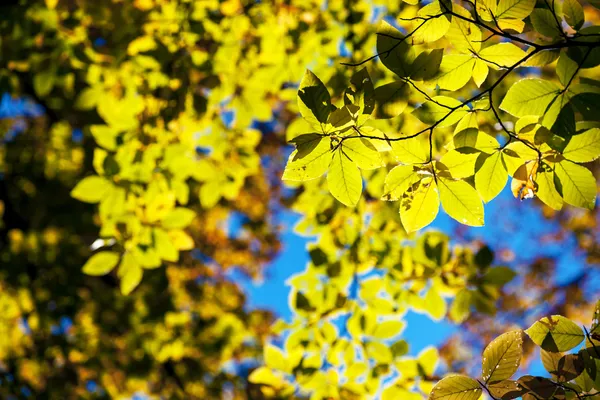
(344, 179)
(573, 12)
(465, 36)
(491, 177)
(434, 304)
(164, 245)
(461, 202)
(390, 100)
(388, 329)
(441, 107)
(518, 9)
(394, 52)
(383, 142)
(397, 181)
(555, 333)
(91, 189)
(43, 82)
(472, 138)
(360, 92)
(480, 72)
(310, 160)
(101, 263)
(314, 101)
(544, 22)
(498, 276)
(419, 205)
(502, 55)
(432, 29)
(456, 387)
(578, 184)
(411, 151)
(130, 273)
(565, 68)
(529, 97)
(455, 71)
(178, 218)
(501, 358)
(461, 306)
(363, 153)
(460, 165)
(546, 188)
(584, 147)
(427, 64)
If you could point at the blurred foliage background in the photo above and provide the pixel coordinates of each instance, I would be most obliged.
(132, 133)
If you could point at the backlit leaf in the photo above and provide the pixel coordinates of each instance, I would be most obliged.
(456, 387)
(555, 333)
(501, 358)
(344, 179)
(461, 201)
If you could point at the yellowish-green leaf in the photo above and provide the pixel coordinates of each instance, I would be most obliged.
(178, 218)
(555, 333)
(434, 303)
(584, 147)
(390, 100)
(344, 179)
(362, 152)
(502, 55)
(511, 24)
(441, 107)
(274, 358)
(455, 71)
(164, 245)
(432, 29)
(91, 189)
(578, 184)
(529, 97)
(397, 182)
(518, 9)
(461, 201)
(491, 178)
(456, 387)
(546, 188)
(310, 160)
(101, 263)
(419, 205)
(411, 151)
(501, 358)
(565, 68)
(480, 72)
(427, 64)
(460, 165)
(544, 22)
(314, 100)
(573, 12)
(396, 54)
(464, 36)
(388, 329)
(130, 273)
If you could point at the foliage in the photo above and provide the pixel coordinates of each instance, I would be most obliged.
(161, 123)
(573, 375)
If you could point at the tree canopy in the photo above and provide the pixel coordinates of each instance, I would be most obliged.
(136, 133)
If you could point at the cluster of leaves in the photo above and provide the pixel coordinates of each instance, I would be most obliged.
(554, 128)
(573, 376)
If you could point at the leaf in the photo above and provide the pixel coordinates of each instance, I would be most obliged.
(130, 273)
(573, 12)
(433, 28)
(344, 179)
(164, 245)
(567, 367)
(397, 181)
(464, 36)
(502, 55)
(360, 92)
(546, 189)
(584, 147)
(480, 72)
(540, 388)
(473, 139)
(455, 71)
(427, 64)
(363, 153)
(518, 9)
(91, 189)
(314, 101)
(43, 82)
(419, 205)
(101, 263)
(411, 151)
(491, 178)
(544, 22)
(274, 358)
(529, 97)
(505, 390)
(390, 100)
(501, 358)
(434, 304)
(578, 184)
(441, 107)
(388, 329)
(565, 68)
(178, 218)
(512, 24)
(498, 276)
(456, 387)
(394, 51)
(555, 333)
(310, 160)
(461, 201)
(461, 306)
(460, 165)
(382, 144)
